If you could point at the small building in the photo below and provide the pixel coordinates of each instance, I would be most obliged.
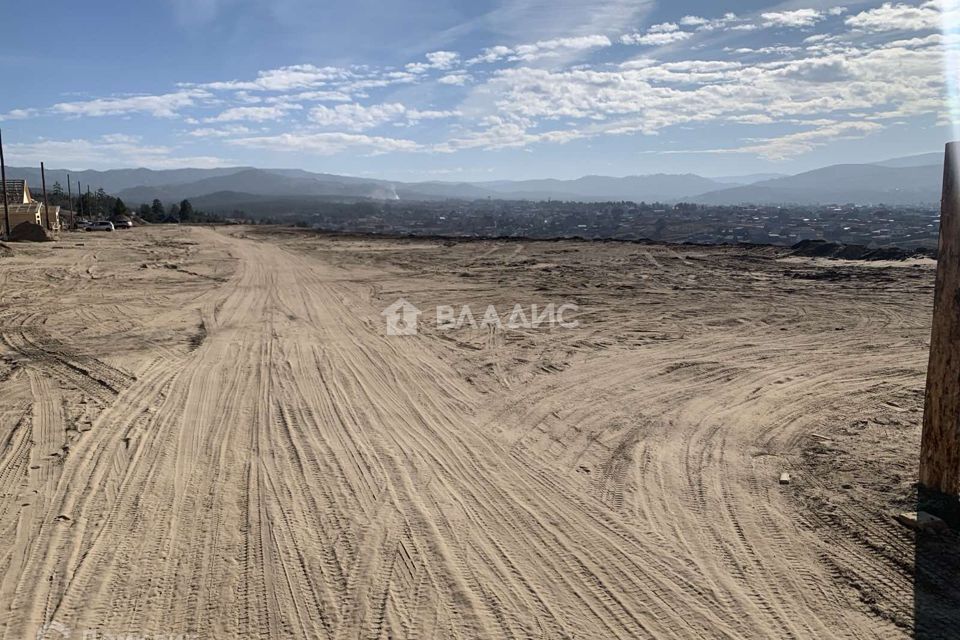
(53, 213)
(27, 212)
(23, 208)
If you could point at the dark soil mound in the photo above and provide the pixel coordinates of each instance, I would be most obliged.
(29, 232)
(824, 249)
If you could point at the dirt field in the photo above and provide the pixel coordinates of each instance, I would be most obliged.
(208, 433)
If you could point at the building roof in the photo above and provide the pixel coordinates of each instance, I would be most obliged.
(22, 208)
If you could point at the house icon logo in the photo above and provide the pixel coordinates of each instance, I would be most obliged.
(401, 318)
(53, 631)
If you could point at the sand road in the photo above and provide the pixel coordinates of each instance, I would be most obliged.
(253, 457)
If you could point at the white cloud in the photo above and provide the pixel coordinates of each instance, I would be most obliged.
(638, 63)
(435, 60)
(794, 144)
(896, 17)
(708, 24)
(18, 114)
(500, 133)
(700, 66)
(301, 76)
(796, 19)
(326, 143)
(358, 117)
(108, 151)
(491, 54)
(542, 19)
(693, 21)
(310, 96)
(875, 83)
(541, 49)
(221, 132)
(416, 115)
(457, 79)
(663, 27)
(443, 59)
(655, 38)
(161, 106)
(549, 47)
(780, 50)
(255, 114)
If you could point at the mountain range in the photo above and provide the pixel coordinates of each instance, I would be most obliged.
(913, 180)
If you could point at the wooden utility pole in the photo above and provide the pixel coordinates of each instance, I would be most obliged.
(6, 207)
(43, 183)
(73, 212)
(940, 445)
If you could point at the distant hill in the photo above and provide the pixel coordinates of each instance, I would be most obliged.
(115, 180)
(262, 182)
(227, 202)
(651, 188)
(443, 191)
(842, 183)
(922, 160)
(748, 179)
(909, 180)
(270, 182)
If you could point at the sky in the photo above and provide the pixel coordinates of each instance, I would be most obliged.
(484, 90)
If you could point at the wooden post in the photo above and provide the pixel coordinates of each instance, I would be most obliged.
(43, 183)
(6, 207)
(940, 445)
(73, 212)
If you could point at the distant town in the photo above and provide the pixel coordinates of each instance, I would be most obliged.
(906, 227)
(837, 204)
(870, 226)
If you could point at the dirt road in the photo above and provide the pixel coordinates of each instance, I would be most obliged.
(209, 433)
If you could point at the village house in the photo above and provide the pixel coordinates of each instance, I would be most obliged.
(23, 208)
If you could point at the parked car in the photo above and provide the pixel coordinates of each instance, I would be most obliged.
(100, 225)
(123, 224)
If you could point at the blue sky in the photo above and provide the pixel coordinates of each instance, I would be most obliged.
(491, 89)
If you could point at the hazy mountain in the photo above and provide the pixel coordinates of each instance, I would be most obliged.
(443, 190)
(842, 183)
(227, 202)
(908, 180)
(263, 182)
(749, 178)
(297, 183)
(922, 160)
(657, 187)
(116, 180)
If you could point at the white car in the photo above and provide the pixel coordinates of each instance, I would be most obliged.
(100, 225)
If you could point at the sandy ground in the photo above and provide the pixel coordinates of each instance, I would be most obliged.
(208, 433)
